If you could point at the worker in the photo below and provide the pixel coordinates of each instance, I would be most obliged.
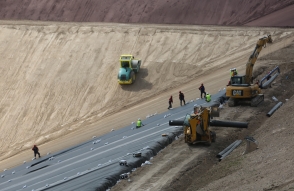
(170, 101)
(208, 97)
(139, 123)
(202, 90)
(234, 72)
(182, 98)
(197, 109)
(36, 151)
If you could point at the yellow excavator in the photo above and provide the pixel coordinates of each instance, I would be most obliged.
(240, 88)
(196, 125)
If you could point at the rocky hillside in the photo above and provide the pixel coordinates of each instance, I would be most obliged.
(191, 12)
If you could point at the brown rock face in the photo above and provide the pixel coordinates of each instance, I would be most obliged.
(192, 12)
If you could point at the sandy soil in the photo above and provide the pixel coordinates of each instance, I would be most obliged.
(58, 83)
(193, 12)
(184, 167)
(59, 80)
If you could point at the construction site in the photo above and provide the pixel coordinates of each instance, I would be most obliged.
(63, 67)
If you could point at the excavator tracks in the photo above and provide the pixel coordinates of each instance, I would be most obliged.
(257, 100)
(232, 102)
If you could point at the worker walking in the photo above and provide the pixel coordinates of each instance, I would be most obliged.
(202, 90)
(182, 98)
(208, 97)
(36, 151)
(170, 101)
(139, 123)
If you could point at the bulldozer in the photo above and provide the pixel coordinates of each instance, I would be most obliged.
(129, 67)
(196, 125)
(241, 88)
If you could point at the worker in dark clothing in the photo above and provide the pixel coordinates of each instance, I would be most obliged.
(170, 101)
(182, 98)
(36, 151)
(202, 91)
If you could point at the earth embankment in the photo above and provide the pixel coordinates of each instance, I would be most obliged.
(196, 12)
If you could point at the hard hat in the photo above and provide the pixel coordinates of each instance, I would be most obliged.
(139, 119)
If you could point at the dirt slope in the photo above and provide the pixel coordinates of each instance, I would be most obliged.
(279, 18)
(199, 12)
(57, 79)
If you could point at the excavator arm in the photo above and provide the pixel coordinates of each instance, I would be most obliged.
(253, 57)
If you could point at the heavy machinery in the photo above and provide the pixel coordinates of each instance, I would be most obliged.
(196, 125)
(240, 88)
(129, 66)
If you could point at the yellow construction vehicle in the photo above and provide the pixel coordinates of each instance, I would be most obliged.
(240, 88)
(196, 125)
(129, 66)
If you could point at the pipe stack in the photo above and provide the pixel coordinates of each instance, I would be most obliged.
(228, 150)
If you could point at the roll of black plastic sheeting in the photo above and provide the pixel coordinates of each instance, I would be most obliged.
(176, 122)
(275, 108)
(135, 162)
(236, 124)
(222, 99)
(268, 83)
(219, 155)
(238, 142)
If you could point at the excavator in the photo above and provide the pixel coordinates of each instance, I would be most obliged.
(240, 88)
(196, 125)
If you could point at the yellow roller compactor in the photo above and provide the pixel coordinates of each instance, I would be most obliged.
(129, 66)
(240, 88)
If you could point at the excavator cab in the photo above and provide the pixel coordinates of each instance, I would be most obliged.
(237, 80)
(125, 61)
